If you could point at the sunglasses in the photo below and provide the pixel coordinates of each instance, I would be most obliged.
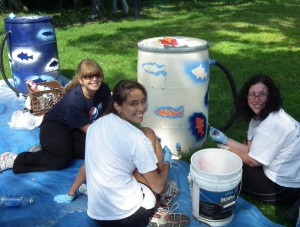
(90, 77)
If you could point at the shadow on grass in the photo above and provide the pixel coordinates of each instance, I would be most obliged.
(223, 28)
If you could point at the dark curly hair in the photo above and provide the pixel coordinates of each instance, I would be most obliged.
(273, 103)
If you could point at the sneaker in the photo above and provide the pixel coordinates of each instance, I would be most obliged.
(166, 198)
(164, 217)
(83, 189)
(35, 148)
(7, 161)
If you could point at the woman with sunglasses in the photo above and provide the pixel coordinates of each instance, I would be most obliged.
(64, 127)
(271, 155)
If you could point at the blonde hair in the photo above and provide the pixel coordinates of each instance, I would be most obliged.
(85, 68)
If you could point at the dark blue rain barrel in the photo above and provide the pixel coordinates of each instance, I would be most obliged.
(32, 50)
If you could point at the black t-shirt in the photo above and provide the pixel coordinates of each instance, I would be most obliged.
(75, 110)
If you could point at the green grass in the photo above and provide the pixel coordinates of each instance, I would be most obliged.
(260, 36)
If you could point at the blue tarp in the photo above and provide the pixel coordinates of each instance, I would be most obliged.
(43, 186)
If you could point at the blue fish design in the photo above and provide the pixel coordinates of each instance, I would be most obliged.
(53, 63)
(154, 69)
(24, 56)
(48, 33)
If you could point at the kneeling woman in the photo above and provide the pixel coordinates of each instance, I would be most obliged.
(123, 166)
(63, 130)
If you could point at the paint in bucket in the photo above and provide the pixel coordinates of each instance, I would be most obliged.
(216, 180)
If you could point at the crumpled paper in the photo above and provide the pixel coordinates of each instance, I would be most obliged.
(24, 120)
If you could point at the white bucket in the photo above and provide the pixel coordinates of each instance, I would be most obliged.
(176, 77)
(216, 176)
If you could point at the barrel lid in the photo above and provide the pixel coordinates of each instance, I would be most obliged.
(27, 19)
(172, 44)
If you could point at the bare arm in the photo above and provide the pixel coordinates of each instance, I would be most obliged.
(157, 179)
(242, 151)
(237, 145)
(79, 180)
(85, 128)
(156, 145)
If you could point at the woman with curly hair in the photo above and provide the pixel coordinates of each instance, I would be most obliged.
(271, 156)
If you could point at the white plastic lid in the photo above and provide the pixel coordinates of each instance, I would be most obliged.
(172, 44)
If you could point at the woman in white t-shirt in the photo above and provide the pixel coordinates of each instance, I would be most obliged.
(125, 165)
(271, 157)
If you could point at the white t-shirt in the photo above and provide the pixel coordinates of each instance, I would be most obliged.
(114, 149)
(276, 145)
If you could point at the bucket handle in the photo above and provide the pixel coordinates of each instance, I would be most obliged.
(233, 90)
(6, 35)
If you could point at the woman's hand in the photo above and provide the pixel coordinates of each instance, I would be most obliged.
(66, 198)
(217, 135)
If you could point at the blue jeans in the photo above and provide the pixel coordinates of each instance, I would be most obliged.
(95, 6)
(136, 9)
(115, 6)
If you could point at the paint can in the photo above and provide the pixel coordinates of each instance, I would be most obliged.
(32, 50)
(175, 72)
(216, 182)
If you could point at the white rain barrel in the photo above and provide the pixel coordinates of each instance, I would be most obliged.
(175, 72)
